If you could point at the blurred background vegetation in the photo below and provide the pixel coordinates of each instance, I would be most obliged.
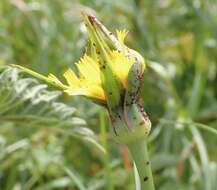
(51, 141)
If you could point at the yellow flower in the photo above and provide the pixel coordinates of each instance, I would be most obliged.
(103, 71)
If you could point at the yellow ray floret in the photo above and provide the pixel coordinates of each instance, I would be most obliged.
(121, 66)
(89, 70)
(71, 78)
(121, 35)
(92, 91)
(88, 83)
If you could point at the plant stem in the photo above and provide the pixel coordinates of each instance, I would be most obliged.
(109, 184)
(134, 132)
(139, 153)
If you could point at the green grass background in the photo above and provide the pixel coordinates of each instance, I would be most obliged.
(42, 150)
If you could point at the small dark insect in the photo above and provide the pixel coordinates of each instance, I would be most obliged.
(145, 178)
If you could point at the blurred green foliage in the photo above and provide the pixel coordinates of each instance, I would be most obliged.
(178, 39)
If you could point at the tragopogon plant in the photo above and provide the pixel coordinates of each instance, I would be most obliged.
(111, 75)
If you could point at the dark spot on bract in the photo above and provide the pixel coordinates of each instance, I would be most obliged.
(145, 178)
(141, 123)
(110, 33)
(147, 163)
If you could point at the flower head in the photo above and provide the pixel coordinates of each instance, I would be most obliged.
(104, 71)
(110, 74)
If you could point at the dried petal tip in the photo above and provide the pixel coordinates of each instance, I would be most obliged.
(91, 19)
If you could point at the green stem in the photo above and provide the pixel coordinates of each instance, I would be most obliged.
(109, 184)
(139, 153)
(134, 133)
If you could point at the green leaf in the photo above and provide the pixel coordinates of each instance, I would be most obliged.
(75, 179)
(25, 100)
(27, 103)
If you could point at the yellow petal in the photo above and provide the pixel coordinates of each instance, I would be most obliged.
(121, 35)
(89, 70)
(121, 66)
(91, 91)
(71, 78)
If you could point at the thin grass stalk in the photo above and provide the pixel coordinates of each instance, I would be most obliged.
(198, 90)
(109, 184)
